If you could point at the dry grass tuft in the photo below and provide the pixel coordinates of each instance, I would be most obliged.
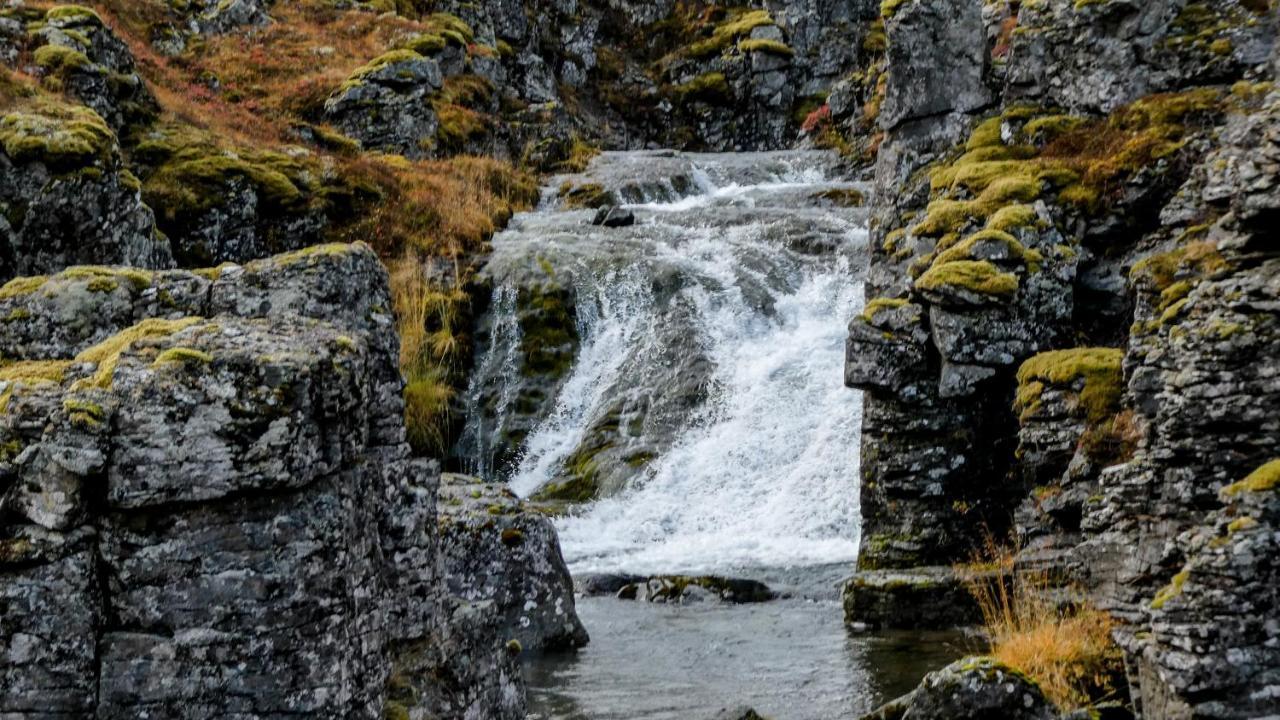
(1065, 646)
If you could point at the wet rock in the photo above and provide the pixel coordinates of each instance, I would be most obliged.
(975, 687)
(739, 713)
(685, 588)
(919, 598)
(614, 217)
(495, 548)
(595, 584)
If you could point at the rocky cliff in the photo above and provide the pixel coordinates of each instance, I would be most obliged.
(1072, 317)
(209, 505)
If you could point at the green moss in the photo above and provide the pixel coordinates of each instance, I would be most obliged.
(72, 12)
(879, 304)
(737, 25)
(980, 277)
(963, 250)
(107, 353)
(193, 186)
(710, 88)
(22, 286)
(183, 356)
(1265, 479)
(1171, 591)
(1100, 369)
(63, 138)
(1013, 217)
(771, 47)
(59, 59)
(83, 413)
(105, 279)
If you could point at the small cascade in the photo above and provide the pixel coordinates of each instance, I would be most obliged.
(683, 374)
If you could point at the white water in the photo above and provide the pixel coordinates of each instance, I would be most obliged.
(765, 473)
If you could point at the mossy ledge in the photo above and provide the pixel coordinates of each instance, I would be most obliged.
(1099, 368)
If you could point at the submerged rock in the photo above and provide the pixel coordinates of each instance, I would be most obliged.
(920, 597)
(614, 217)
(683, 589)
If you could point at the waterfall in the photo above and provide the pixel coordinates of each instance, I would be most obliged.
(705, 395)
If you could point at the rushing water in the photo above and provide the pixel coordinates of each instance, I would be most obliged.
(722, 315)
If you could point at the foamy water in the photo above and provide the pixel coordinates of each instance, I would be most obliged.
(765, 472)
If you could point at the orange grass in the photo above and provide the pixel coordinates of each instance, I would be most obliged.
(1065, 646)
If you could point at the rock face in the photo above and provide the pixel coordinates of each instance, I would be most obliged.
(495, 548)
(209, 505)
(1075, 350)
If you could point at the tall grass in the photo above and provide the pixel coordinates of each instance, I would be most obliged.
(1047, 631)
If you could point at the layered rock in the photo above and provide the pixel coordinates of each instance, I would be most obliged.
(1139, 239)
(210, 507)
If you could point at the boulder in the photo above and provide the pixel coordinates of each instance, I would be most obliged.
(970, 689)
(495, 548)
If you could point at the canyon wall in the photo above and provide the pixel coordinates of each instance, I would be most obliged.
(1071, 322)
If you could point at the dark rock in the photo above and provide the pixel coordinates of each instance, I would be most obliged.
(972, 688)
(605, 583)
(614, 217)
(684, 588)
(918, 598)
(66, 197)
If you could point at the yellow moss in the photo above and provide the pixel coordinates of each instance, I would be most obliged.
(878, 304)
(963, 250)
(1264, 479)
(182, 356)
(83, 413)
(1241, 524)
(137, 279)
(35, 371)
(724, 34)
(1100, 368)
(1171, 591)
(1012, 217)
(771, 47)
(62, 137)
(107, 353)
(20, 286)
(980, 277)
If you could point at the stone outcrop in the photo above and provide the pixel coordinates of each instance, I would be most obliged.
(74, 51)
(209, 505)
(66, 196)
(495, 548)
